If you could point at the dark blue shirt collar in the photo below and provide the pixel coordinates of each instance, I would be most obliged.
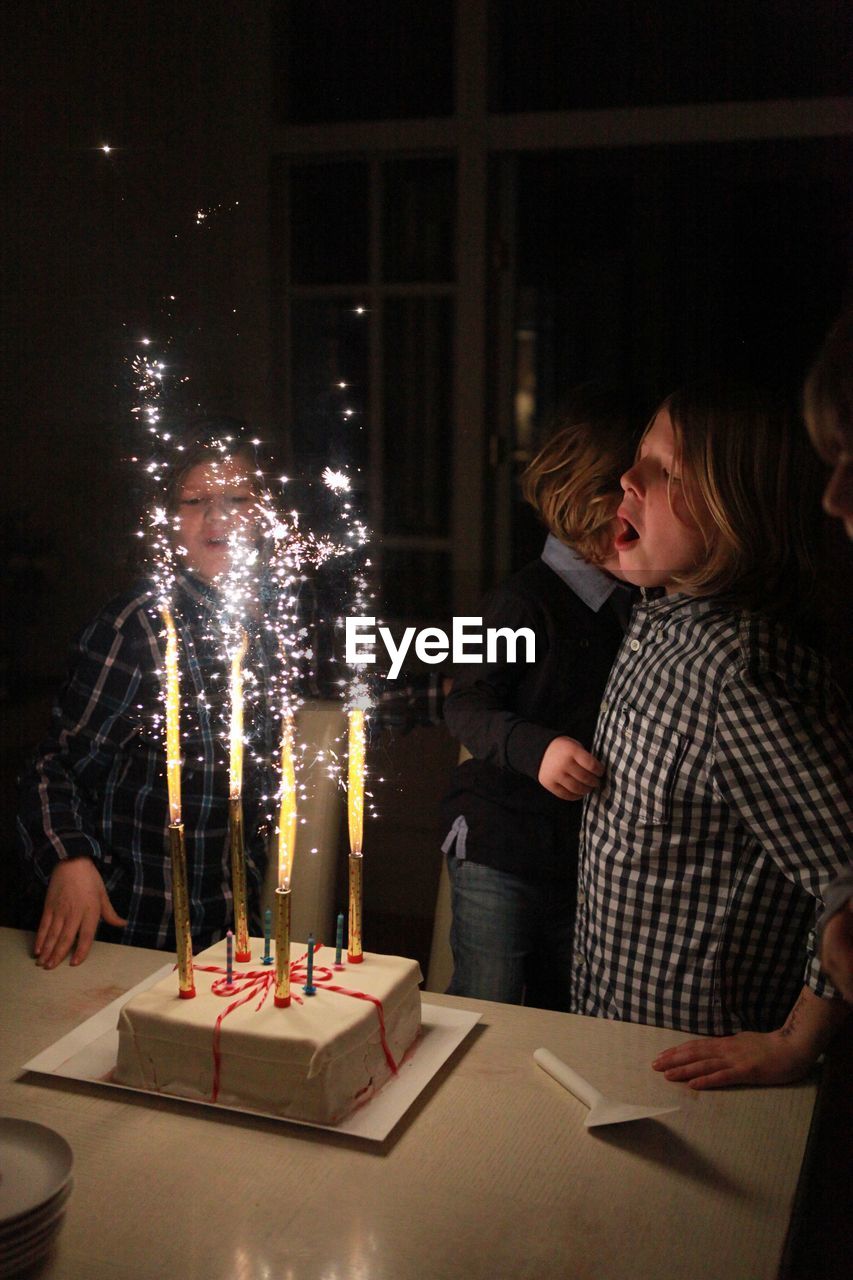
(590, 584)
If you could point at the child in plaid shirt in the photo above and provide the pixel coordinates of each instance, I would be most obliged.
(93, 812)
(725, 810)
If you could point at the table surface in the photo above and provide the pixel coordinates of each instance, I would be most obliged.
(491, 1174)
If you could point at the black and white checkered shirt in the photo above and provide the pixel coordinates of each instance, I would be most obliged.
(724, 813)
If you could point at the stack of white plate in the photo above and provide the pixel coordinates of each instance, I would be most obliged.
(35, 1183)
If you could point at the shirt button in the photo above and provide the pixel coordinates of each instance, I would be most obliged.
(605, 706)
(581, 897)
(635, 644)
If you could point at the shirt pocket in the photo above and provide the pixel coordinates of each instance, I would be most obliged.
(645, 772)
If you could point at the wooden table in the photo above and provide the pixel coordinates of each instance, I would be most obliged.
(490, 1175)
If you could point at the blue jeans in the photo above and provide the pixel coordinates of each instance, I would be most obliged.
(511, 938)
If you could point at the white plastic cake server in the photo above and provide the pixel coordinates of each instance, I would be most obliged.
(601, 1110)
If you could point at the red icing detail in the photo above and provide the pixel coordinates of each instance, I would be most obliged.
(281, 1002)
(242, 957)
(361, 995)
(260, 982)
(187, 995)
(354, 959)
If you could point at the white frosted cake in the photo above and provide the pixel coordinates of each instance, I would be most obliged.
(316, 1060)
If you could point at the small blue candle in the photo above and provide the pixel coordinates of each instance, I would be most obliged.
(229, 959)
(309, 988)
(339, 942)
(266, 958)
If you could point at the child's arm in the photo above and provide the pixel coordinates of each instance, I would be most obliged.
(783, 762)
(485, 709)
(758, 1057)
(63, 789)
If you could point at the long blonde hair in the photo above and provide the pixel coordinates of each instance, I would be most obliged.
(752, 487)
(573, 482)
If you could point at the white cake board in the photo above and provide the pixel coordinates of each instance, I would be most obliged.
(89, 1053)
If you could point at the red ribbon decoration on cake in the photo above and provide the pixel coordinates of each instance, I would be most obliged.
(254, 982)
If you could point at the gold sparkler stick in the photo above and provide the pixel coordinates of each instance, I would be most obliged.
(173, 719)
(177, 845)
(355, 816)
(181, 910)
(242, 952)
(286, 847)
(282, 948)
(354, 952)
(287, 805)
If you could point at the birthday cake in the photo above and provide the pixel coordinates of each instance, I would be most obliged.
(316, 1060)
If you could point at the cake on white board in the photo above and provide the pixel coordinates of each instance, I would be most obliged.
(316, 1060)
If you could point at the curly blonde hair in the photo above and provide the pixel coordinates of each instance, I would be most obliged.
(573, 482)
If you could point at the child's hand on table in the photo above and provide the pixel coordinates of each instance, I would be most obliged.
(75, 904)
(757, 1057)
(750, 1057)
(568, 770)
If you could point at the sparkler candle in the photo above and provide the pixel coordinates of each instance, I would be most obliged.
(287, 805)
(173, 720)
(235, 804)
(355, 815)
(282, 948)
(286, 847)
(177, 845)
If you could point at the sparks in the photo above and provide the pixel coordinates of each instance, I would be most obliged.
(338, 481)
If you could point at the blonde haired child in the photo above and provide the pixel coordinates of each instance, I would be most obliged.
(725, 809)
(512, 827)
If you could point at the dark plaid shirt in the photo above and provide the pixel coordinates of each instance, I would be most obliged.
(724, 814)
(97, 786)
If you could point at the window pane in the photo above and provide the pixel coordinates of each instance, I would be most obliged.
(330, 342)
(329, 240)
(551, 55)
(418, 213)
(416, 584)
(417, 397)
(682, 261)
(362, 59)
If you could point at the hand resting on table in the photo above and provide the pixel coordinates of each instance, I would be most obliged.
(757, 1057)
(75, 904)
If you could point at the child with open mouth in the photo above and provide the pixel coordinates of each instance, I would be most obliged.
(725, 809)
